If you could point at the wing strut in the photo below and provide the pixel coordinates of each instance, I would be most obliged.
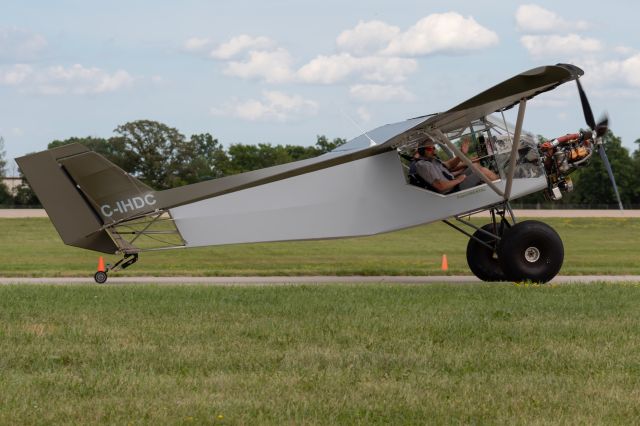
(514, 148)
(468, 163)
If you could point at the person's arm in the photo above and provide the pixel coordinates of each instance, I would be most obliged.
(443, 186)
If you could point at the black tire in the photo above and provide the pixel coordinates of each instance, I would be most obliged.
(483, 261)
(100, 277)
(531, 251)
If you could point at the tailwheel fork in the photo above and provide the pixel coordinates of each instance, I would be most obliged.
(101, 276)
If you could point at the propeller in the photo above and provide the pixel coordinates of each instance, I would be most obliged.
(598, 130)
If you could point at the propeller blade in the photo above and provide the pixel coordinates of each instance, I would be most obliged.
(602, 126)
(607, 165)
(600, 129)
(586, 108)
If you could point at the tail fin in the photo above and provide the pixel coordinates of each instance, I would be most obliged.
(82, 192)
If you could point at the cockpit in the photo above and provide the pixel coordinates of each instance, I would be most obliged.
(489, 140)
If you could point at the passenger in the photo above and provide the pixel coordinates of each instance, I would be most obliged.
(447, 176)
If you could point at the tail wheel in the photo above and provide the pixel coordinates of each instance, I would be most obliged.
(532, 251)
(482, 260)
(100, 277)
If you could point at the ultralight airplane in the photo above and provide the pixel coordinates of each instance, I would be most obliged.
(361, 188)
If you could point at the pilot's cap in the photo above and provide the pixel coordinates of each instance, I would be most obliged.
(428, 143)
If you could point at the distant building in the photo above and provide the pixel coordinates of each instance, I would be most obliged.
(12, 183)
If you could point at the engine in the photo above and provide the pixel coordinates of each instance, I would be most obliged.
(561, 157)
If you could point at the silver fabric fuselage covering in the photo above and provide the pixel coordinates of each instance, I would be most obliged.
(362, 197)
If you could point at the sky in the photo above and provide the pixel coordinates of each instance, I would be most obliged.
(285, 71)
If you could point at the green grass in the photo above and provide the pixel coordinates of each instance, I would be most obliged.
(365, 354)
(31, 247)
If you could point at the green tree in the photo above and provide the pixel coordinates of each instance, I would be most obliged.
(636, 173)
(25, 196)
(324, 145)
(113, 149)
(245, 158)
(202, 158)
(154, 151)
(3, 161)
(593, 186)
(162, 157)
(5, 195)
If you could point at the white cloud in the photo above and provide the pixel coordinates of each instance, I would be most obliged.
(532, 18)
(631, 70)
(625, 72)
(80, 80)
(328, 69)
(240, 44)
(373, 51)
(624, 50)
(558, 98)
(57, 80)
(18, 45)
(197, 44)
(553, 45)
(15, 75)
(364, 114)
(275, 106)
(380, 93)
(367, 38)
(272, 66)
(445, 32)
(335, 68)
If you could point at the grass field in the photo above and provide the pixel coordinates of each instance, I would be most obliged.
(31, 247)
(366, 354)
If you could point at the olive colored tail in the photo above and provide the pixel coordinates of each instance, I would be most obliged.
(83, 193)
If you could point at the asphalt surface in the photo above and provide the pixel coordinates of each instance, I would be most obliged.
(312, 280)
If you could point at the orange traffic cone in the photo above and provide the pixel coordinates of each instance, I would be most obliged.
(100, 264)
(445, 264)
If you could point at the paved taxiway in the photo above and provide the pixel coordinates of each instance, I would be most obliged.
(311, 280)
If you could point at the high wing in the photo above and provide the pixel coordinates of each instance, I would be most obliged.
(500, 97)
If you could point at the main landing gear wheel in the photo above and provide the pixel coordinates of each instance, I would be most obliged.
(482, 260)
(100, 277)
(531, 251)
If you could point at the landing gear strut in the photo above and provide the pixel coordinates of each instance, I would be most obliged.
(129, 259)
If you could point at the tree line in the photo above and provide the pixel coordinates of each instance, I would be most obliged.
(163, 158)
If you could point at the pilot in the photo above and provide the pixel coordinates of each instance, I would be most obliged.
(447, 176)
